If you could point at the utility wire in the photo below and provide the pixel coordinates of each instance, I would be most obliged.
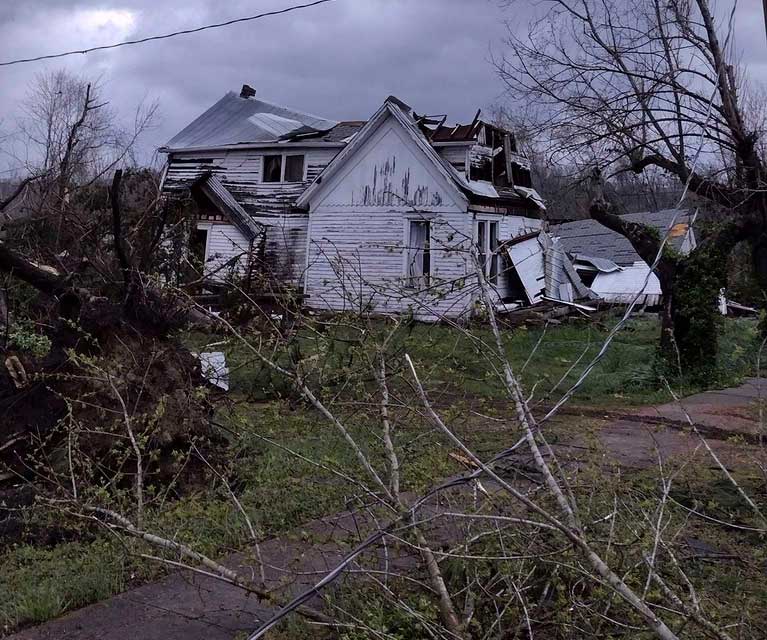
(166, 35)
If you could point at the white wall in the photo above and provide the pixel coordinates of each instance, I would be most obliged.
(269, 203)
(358, 228)
(225, 241)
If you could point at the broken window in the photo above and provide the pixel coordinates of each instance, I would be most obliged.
(487, 248)
(521, 176)
(419, 254)
(273, 168)
(294, 168)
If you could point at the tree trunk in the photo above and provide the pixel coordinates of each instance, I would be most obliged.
(690, 317)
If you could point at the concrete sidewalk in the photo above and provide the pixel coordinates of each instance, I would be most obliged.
(192, 607)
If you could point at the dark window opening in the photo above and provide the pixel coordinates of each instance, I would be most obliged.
(521, 176)
(272, 168)
(294, 168)
(197, 244)
(481, 168)
(588, 277)
(419, 254)
(514, 287)
(500, 178)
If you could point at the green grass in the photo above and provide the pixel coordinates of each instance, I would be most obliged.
(281, 491)
(40, 584)
(448, 358)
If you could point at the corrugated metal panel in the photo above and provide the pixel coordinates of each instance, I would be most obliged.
(600, 264)
(236, 120)
(527, 258)
(621, 287)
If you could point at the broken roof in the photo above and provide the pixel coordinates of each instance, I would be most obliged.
(476, 190)
(590, 238)
(237, 120)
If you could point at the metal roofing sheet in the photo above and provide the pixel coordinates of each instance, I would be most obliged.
(236, 120)
(624, 285)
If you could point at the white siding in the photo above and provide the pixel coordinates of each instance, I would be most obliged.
(359, 225)
(357, 262)
(239, 171)
(269, 203)
(225, 243)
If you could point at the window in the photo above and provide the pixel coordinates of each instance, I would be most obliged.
(284, 168)
(272, 168)
(419, 254)
(294, 169)
(487, 248)
(198, 246)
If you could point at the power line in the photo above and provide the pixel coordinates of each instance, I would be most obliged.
(166, 35)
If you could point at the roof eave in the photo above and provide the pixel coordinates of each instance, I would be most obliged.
(252, 145)
(505, 203)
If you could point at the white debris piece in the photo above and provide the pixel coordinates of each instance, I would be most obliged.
(621, 287)
(214, 369)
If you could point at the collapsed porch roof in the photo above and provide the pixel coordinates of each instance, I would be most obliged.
(221, 198)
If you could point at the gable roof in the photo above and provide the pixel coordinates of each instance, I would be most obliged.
(394, 107)
(475, 191)
(237, 120)
(590, 238)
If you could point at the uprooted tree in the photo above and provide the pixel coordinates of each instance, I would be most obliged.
(647, 87)
(77, 256)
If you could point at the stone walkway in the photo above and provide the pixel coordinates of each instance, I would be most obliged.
(191, 607)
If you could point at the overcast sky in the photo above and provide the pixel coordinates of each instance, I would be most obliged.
(338, 60)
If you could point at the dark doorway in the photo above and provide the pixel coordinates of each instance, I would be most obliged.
(198, 242)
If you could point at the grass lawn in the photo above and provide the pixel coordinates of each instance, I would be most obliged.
(280, 491)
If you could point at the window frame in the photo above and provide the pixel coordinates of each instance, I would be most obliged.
(284, 155)
(487, 245)
(411, 282)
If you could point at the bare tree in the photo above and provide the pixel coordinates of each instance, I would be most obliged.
(70, 138)
(644, 87)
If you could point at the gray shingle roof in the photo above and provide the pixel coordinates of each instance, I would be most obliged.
(236, 120)
(343, 130)
(589, 238)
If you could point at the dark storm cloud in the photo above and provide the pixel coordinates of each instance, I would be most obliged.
(339, 60)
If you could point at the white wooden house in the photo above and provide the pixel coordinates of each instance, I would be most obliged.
(376, 216)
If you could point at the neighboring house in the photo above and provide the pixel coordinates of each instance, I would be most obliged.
(610, 266)
(377, 216)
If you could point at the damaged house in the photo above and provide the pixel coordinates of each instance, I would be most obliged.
(375, 216)
(609, 265)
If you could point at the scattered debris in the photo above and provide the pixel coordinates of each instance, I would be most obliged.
(544, 268)
(623, 285)
(214, 368)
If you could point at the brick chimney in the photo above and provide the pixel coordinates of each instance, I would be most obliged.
(247, 91)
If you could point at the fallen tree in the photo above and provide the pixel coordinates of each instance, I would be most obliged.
(109, 343)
